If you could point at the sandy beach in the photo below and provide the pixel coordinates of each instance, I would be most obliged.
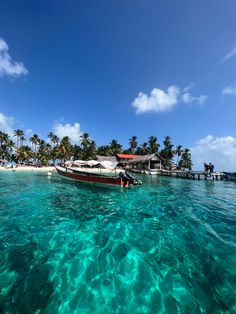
(28, 168)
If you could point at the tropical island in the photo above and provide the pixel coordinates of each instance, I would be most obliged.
(40, 152)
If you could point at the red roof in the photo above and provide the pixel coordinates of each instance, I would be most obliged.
(127, 156)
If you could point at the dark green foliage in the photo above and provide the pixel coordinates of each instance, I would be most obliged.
(42, 152)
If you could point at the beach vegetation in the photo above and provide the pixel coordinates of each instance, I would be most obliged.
(23, 154)
(6, 146)
(142, 149)
(115, 147)
(185, 161)
(85, 140)
(19, 135)
(133, 142)
(64, 149)
(54, 139)
(153, 144)
(89, 151)
(34, 140)
(77, 152)
(178, 152)
(167, 153)
(42, 152)
(104, 150)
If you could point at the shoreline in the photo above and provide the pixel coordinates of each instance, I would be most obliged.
(28, 168)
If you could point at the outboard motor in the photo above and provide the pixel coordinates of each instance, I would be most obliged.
(133, 179)
(128, 178)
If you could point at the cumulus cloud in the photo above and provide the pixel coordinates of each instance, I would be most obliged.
(161, 101)
(6, 124)
(71, 130)
(221, 151)
(7, 65)
(229, 90)
(158, 101)
(231, 54)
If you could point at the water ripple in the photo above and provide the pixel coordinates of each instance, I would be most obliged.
(165, 247)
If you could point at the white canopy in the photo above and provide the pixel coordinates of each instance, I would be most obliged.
(92, 163)
(110, 165)
(79, 162)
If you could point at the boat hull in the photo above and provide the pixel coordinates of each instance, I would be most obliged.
(87, 177)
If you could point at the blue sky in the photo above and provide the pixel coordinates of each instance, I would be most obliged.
(116, 69)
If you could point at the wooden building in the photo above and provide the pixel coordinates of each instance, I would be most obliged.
(106, 158)
(147, 163)
(124, 159)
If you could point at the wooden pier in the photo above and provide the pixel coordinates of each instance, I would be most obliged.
(194, 175)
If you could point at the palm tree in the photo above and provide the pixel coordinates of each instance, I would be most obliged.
(54, 139)
(6, 145)
(115, 147)
(179, 151)
(9, 147)
(64, 149)
(185, 161)
(133, 143)
(167, 142)
(44, 152)
(167, 152)
(19, 134)
(3, 137)
(35, 140)
(104, 150)
(50, 136)
(90, 151)
(143, 149)
(77, 152)
(24, 153)
(22, 140)
(153, 145)
(85, 140)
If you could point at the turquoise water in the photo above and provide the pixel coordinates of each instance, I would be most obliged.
(168, 246)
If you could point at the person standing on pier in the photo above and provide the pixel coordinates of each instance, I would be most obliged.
(206, 167)
(211, 167)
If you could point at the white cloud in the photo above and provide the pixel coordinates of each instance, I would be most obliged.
(229, 90)
(187, 88)
(221, 151)
(231, 54)
(188, 98)
(7, 65)
(71, 130)
(6, 124)
(160, 100)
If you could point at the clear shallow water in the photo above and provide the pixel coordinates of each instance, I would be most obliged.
(168, 246)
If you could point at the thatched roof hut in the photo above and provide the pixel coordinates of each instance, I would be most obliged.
(149, 162)
(106, 158)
